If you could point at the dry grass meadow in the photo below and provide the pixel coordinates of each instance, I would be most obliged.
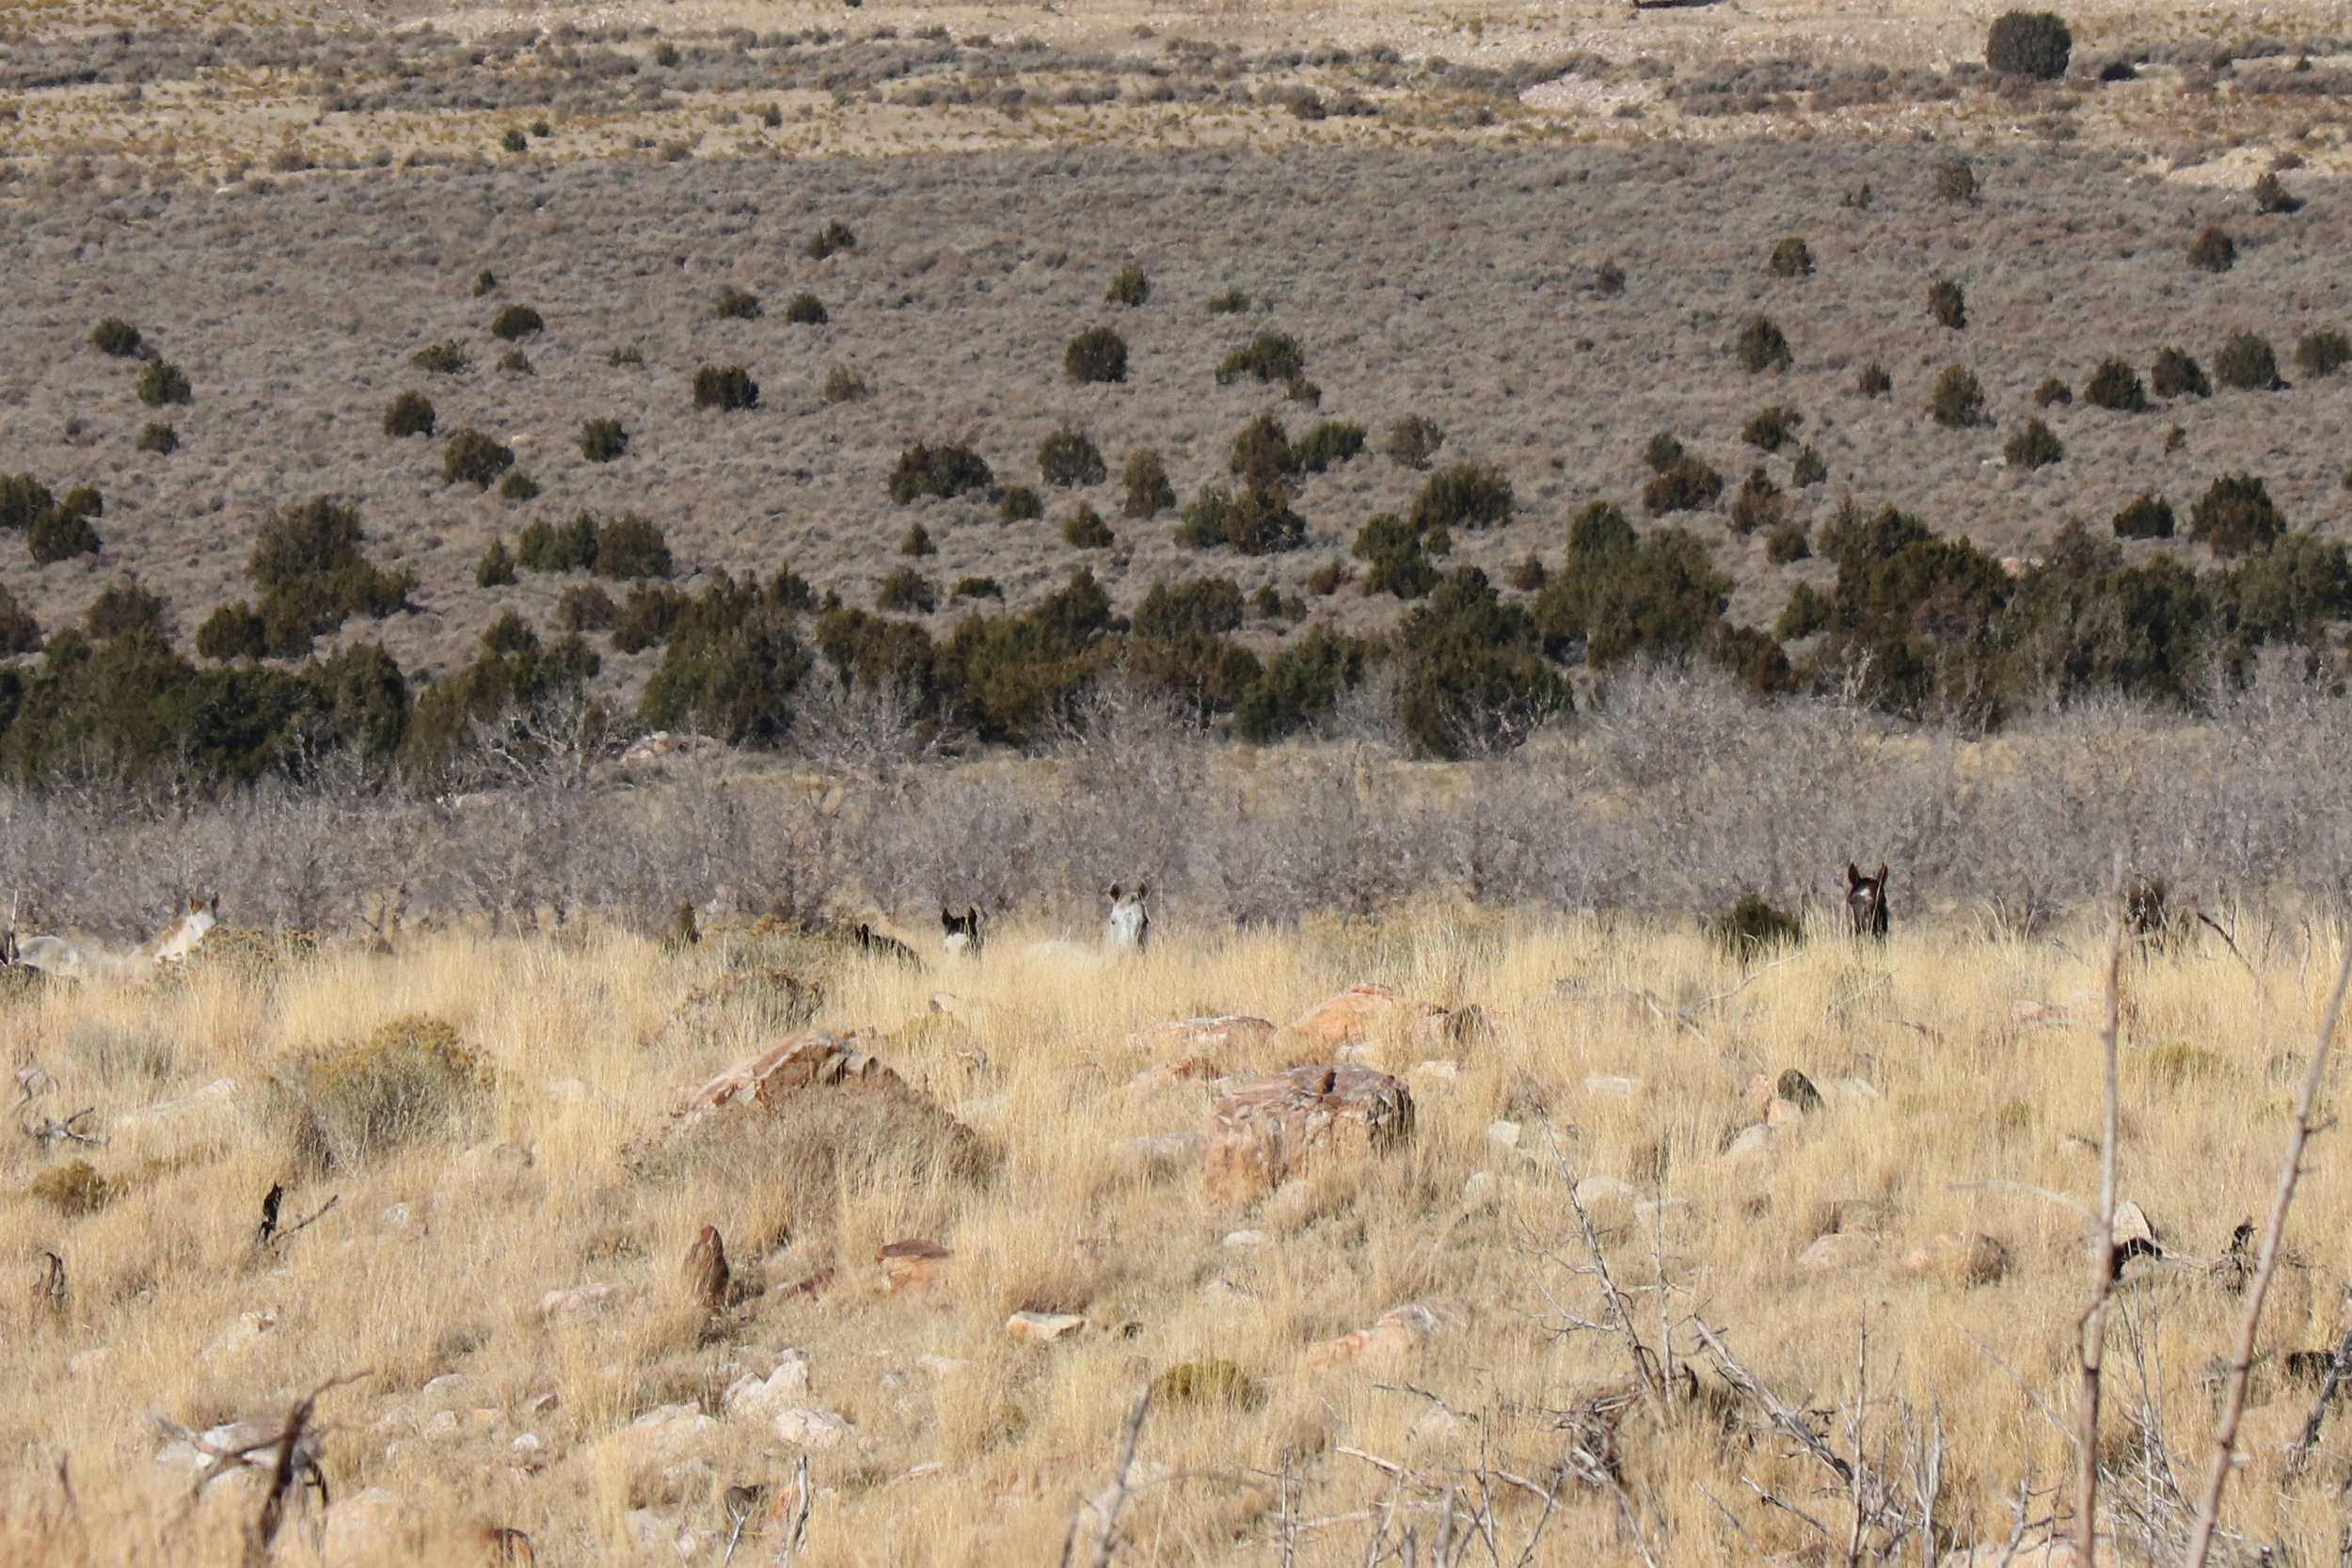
(1959, 1076)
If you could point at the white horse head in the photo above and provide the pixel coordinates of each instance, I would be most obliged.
(186, 934)
(1129, 927)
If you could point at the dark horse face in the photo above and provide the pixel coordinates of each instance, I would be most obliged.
(960, 933)
(1866, 900)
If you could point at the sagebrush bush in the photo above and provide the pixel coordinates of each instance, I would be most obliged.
(2270, 195)
(2034, 447)
(946, 470)
(515, 323)
(442, 358)
(1786, 543)
(1413, 441)
(735, 304)
(1233, 302)
(585, 607)
(602, 440)
(1148, 493)
(628, 357)
(1752, 927)
(2322, 351)
(473, 458)
(1873, 381)
(1958, 401)
(1020, 503)
(518, 487)
(1068, 459)
(484, 281)
(22, 498)
(113, 335)
(1128, 287)
(496, 569)
(2148, 517)
(1269, 357)
(630, 548)
(977, 588)
(513, 140)
(844, 385)
(1808, 469)
(1086, 529)
(350, 1103)
(1955, 182)
(917, 541)
(908, 592)
(1466, 495)
(2117, 387)
(1771, 428)
(1949, 304)
(1663, 452)
(2234, 515)
(1761, 346)
(1528, 575)
(1256, 522)
(2175, 374)
(1262, 453)
(409, 414)
(2052, 391)
(725, 388)
(162, 382)
(1098, 355)
(19, 632)
(806, 309)
(73, 1189)
(1398, 564)
(2029, 44)
(515, 363)
(1758, 504)
(831, 239)
(60, 535)
(2246, 362)
(2213, 250)
(1807, 611)
(1688, 485)
(1609, 280)
(1791, 258)
(161, 439)
(1331, 441)
(233, 631)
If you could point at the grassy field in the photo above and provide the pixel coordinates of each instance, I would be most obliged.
(1957, 1076)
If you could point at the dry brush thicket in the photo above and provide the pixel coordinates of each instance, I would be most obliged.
(1835, 1192)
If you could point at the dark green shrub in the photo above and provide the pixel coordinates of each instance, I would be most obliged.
(1413, 441)
(1270, 357)
(233, 631)
(515, 363)
(517, 674)
(1260, 522)
(307, 561)
(1332, 441)
(602, 440)
(1687, 486)
(647, 617)
(1786, 543)
(977, 588)
(497, 567)
(2234, 515)
(1808, 469)
(2034, 447)
(1466, 495)
(1233, 302)
(1955, 182)
(1751, 928)
(1609, 280)
(806, 309)
(844, 385)
(908, 591)
(513, 142)
(2291, 592)
(2115, 386)
(1018, 504)
(547, 547)
(1771, 429)
(1958, 401)
(485, 281)
(161, 439)
(441, 358)
(1096, 354)
(830, 240)
(19, 632)
(1068, 460)
(83, 500)
(1398, 564)
(116, 336)
(918, 542)
(1807, 611)
(60, 535)
(2323, 352)
(1262, 453)
(474, 458)
(515, 323)
(584, 607)
(1663, 452)
(725, 388)
(22, 498)
(1528, 575)
(352, 1104)
(518, 487)
(735, 304)
(1473, 677)
(2052, 391)
(1761, 347)
(125, 607)
(2212, 251)
(2246, 363)
(1085, 530)
(1758, 504)
(2175, 374)
(409, 414)
(1128, 287)
(1148, 493)
(628, 547)
(162, 382)
(2270, 195)
(2147, 518)
(1948, 303)
(947, 470)
(1791, 259)
(2029, 43)
(1300, 685)
(1873, 381)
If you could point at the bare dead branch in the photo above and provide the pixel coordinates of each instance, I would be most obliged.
(2094, 1328)
(1776, 1410)
(796, 1528)
(1621, 1319)
(1107, 1504)
(2266, 1264)
(2339, 1372)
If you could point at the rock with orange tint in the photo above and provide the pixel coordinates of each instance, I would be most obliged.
(1227, 1036)
(1960, 1258)
(1395, 1334)
(1184, 1070)
(1365, 1015)
(913, 1267)
(804, 1059)
(1266, 1129)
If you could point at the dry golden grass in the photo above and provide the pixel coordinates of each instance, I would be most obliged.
(966, 1445)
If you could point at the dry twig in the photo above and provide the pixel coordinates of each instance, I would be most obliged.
(2094, 1328)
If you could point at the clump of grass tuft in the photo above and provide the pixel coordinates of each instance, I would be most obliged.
(725, 388)
(515, 323)
(74, 1189)
(1761, 346)
(1751, 928)
(1791, 258)
(735, 304)
(834, 237)
(1098, 355)
(409, 414)
(1128, 287)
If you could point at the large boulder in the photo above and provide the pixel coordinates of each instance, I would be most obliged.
(1266, 1129)
(803, 1059)
(915, 1266)
(1366, 1015)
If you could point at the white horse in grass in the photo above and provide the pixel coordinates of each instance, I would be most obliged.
(83, 960)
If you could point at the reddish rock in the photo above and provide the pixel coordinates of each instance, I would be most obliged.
(1266, 1129)
(807, 1058)
(913, 1267)
(1366, 1015)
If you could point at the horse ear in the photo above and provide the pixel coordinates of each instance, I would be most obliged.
(1114, 892)
(1143, 892)
(215, 905)
(1853, 877)
(947, 920)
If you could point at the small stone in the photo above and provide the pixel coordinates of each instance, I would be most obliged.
(1202, 1037)
(582, 1301)
(1481, 1188)
(241, 1334)
(2131, 1224)
(804, 1427)
(1503, 1134)
(1434, 1424)
(83, 1362)
(1594, 1190)
(1611, 1085)
(394, 1216)
(1748, 1142)
(1169, 1075)
(442, 1423)
(667, 1432)
(1441, 1070)
(1247, 1241)
(1851, 1091)
(756, 1399)
(1960, 1258)
(1838, 1252)
(1044, 1328)
(365, 1524)
(1157, 1153)
(913, 1267)
(942, 1366)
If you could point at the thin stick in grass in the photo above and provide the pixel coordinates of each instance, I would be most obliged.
(2266, 1264)
(2094, 1320)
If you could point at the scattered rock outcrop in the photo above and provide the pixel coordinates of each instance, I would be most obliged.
(1266, 1129)
(1367, 1015)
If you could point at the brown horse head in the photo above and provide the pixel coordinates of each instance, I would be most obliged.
(1866, 900)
